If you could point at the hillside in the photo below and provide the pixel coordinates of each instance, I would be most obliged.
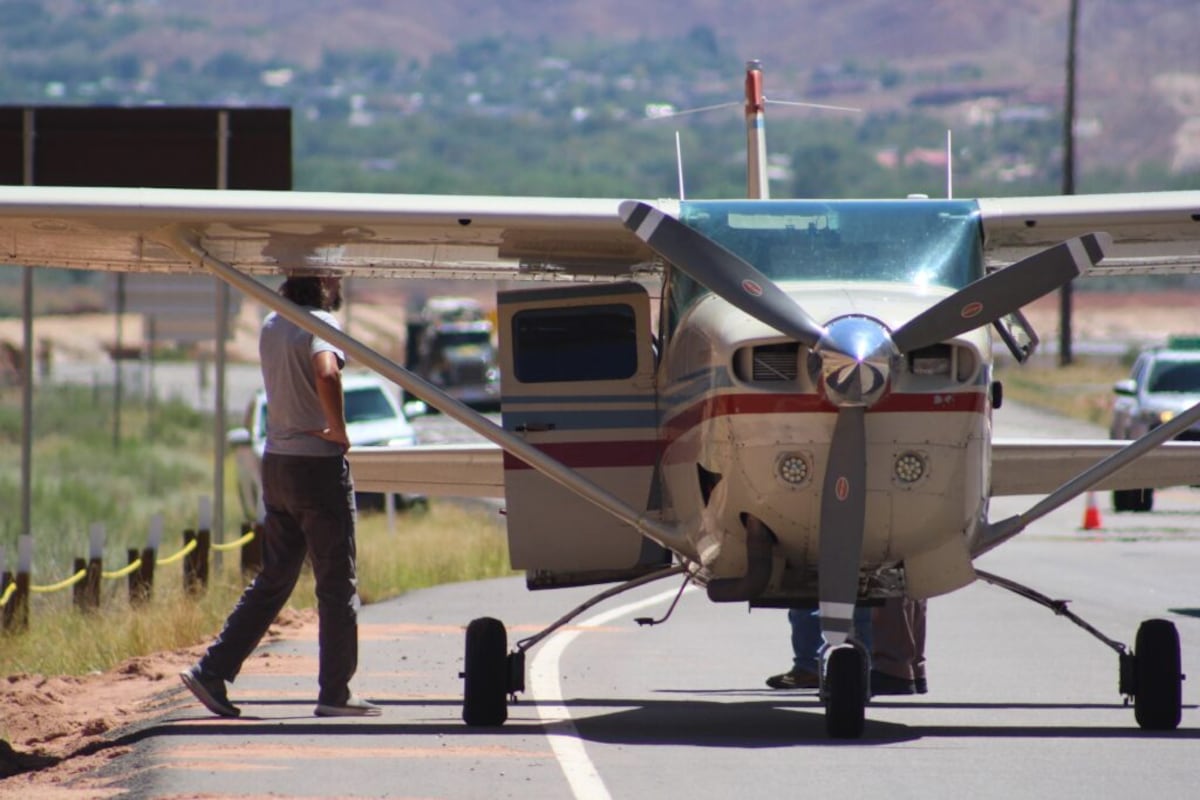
(1139, 64)
(451, 78)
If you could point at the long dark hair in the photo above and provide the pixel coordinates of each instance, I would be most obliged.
(308, 291)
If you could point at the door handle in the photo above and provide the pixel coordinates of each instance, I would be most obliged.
(535, 427)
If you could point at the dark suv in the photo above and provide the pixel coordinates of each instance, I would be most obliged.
(1165, 381)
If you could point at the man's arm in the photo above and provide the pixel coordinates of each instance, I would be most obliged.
(329, 391)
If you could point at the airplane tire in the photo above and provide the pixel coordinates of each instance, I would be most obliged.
(1144, 500)
(1158, 681)
(845, 693)
(485, 685)
(1124, 499)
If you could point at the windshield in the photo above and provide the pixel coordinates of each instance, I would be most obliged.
(365, 405)
(1175, 376)
(917, 242)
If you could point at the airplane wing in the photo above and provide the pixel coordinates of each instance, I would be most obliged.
(1153, 232)
(447, 470)
(428, 236)
(453, 236)
(1039, 466)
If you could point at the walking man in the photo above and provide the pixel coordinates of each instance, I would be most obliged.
(309, 498)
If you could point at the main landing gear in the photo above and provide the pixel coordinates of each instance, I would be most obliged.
(1151, 675)
(491, 675)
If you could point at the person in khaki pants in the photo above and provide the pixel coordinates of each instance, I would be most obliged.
(898, 647)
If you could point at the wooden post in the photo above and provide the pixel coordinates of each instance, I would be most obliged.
(16, 613)
(78, 589)
(139, 592)
(203, 548)
(146, 573)
(190, 578)
(91, 584)
(252, 552)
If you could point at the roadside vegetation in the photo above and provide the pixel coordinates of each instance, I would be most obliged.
(1082, 390)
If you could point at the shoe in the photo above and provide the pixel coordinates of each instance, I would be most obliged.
(209, 690)
(882, 683)
(795, 679)
(353, 707)
(921, 685)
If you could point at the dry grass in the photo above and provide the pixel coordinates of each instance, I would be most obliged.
(1082, 390)
(446, 543)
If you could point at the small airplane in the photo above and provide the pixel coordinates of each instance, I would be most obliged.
(800, 418)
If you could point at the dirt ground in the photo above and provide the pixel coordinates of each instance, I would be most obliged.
(62, 728)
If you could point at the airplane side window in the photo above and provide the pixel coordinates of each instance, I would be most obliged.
(590, 343)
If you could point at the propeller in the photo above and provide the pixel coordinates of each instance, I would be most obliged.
(1002, 292)
(856, 355)
(725, 274)
(843, 509)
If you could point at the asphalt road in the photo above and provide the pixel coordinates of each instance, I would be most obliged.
(1021, 702)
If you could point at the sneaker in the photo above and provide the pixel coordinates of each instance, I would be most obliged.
(882, 683)
(209, 690)
(353, 707)
(795, 679)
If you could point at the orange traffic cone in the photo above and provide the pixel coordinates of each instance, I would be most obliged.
(1091, 513)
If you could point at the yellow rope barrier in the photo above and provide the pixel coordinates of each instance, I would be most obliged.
(9, 591)
(63, 584)
(123, 571)
(242, 542)
(187, 548)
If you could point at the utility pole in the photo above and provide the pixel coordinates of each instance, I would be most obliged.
(1065, 356)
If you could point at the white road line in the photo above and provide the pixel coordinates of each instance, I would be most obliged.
(581, 774)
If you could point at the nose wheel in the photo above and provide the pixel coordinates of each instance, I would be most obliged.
(844, 689)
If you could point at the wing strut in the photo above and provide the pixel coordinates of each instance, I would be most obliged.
(181, 241)
(999, 532)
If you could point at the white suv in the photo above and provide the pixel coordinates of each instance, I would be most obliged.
(373, 417)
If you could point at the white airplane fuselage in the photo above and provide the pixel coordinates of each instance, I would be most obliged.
(740, 440)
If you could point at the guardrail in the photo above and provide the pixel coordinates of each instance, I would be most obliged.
(87, 574)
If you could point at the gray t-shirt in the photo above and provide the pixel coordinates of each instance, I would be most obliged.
(293, 408)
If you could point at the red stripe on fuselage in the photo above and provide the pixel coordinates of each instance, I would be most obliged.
(734, 404)
(593, 455)
(645, 453)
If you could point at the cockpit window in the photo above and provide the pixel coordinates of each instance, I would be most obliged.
(917, 242)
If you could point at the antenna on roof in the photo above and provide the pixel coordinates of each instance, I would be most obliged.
(679, 163)
(949, 165)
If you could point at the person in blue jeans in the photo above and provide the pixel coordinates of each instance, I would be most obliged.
(893, 633)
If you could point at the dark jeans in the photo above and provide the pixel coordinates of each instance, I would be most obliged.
(310, 510)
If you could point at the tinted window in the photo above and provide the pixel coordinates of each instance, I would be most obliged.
(364, 405)
(1175, 376)
(593, 343)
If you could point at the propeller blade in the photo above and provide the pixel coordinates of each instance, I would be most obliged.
(725, 274)
(1002, 292)
(843, 515)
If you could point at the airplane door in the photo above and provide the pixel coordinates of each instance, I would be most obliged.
(577, 381)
